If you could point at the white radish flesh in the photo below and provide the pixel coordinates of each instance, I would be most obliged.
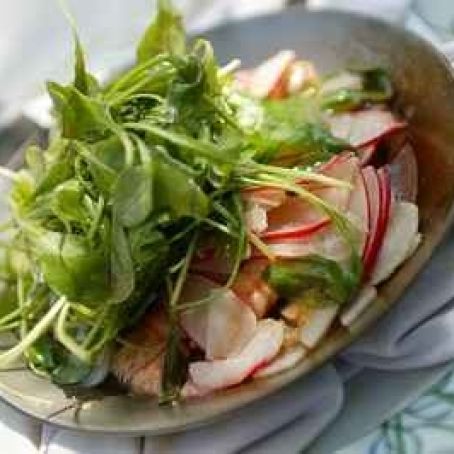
(364, 127)
(358, 210)
(261, 349)
(398, 241)
(266, 77)
(342, 81)
(317, 325)
(284, 361)
(364, 298)
(221, 326)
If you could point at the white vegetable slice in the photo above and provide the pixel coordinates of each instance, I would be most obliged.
(366, 295)
(223, 325)
(345, 80)
(261, 349)
(317, 325)
(255, 217)
(300, 75)
(364, 127)
(267, 76)
(414, 245)
(285, 360)
(328, 244)
(398, 241)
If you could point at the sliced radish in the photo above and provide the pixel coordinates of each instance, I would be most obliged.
(345, 169)
(264, 345)
(284, 361)
(345, 80)
(300, 74)
(297, 218)
(268, 198)
(358, 210)
(327, 243)
(267, 79)
(293, 219)
(318, 322)
(366, 153)
(251, 288)
(379, 210)
(400, 238)
(223, 325)
(404, 174)
(364, 127)
(364, 298)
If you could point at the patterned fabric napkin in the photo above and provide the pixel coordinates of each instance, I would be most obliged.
(414, 334)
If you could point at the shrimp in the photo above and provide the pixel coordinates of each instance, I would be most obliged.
(139, 362)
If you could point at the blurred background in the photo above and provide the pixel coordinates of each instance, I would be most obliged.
(35, 38)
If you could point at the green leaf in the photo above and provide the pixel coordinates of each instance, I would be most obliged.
(133, 196)
(376, 88)
(164, 34)
(83, 80)
(176, 191)
(36, 163)
(321, 280)
(67, 202)
(80, 116)
(70, 370)
(122, 267)
(71, 266)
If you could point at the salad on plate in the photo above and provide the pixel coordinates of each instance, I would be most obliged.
(191, 226)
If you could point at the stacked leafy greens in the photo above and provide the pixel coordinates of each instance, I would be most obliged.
(104, 222)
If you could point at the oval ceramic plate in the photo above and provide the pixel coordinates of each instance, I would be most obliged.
(333, 40)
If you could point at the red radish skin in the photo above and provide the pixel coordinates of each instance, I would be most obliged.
(381, 218)
(297, 218)
(365, 127)
(294, 219)
(367, 153)
(374, 202)
(359, 209)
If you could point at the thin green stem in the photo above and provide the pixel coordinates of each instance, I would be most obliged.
(37, 331)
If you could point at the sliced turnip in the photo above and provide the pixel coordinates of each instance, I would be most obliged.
(284, 361)
(399, 240)
(364, 298)
(404, 174)
(317, 325)
(364, 127)
(264, 345)
(223, 325)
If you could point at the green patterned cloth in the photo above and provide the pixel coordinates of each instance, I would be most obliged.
(425, 427)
